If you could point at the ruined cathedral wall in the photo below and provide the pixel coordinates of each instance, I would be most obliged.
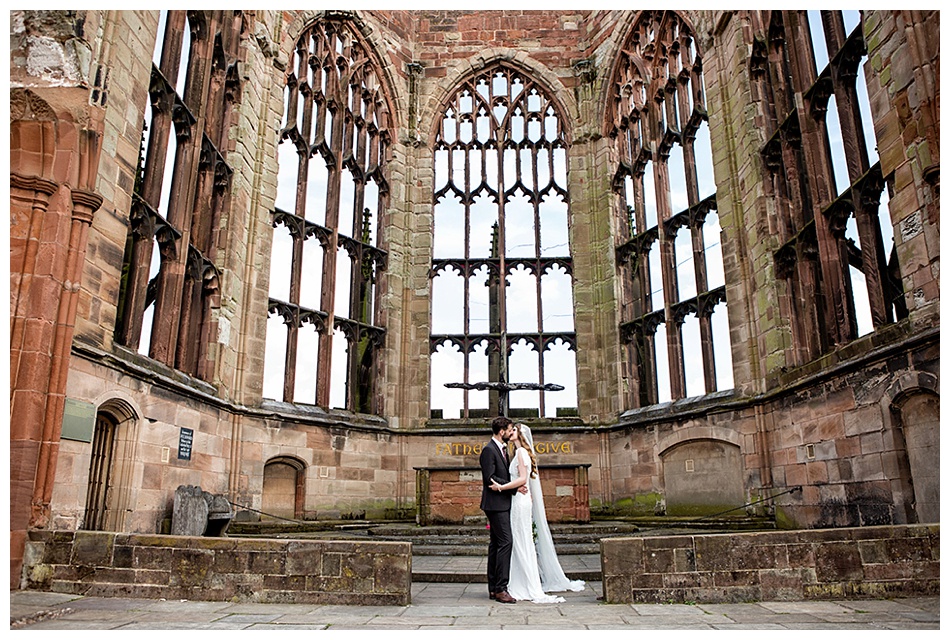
(842, 428)
(856, 429)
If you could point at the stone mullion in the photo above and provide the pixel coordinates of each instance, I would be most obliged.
(649, 369)
(209, 298)
(642, 300)
(708, 348)
(140, 260)
(849, 117)
(360, 226)
(807, 287)
(172, 308)
(328, 292)
(835, 290)
(817, 159)
(502, 295)
(808, 291)
(172, 40)
(186, 352)
(668, 274)
(168, 299)
(290, 356)
(466, 252)
(873, 261)
(193, 303)
(202, 216)
(857, 161)
(538, 273)
(142, 246)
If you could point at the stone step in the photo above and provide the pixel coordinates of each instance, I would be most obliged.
(469, 534)
(419, 549)
(472, 569)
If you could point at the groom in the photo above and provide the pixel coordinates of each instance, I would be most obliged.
(497, 506)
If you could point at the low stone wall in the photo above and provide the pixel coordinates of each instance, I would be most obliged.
(453, 495)
(111, 564)
(814, 564)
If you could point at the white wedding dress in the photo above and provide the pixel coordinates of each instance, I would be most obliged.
(524, 580)
(552, 575)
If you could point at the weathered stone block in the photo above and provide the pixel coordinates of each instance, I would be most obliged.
(92, 548)
(190, 567)
(837, 560)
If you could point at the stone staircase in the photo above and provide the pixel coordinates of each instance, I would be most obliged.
(472, 540)
(456, 553)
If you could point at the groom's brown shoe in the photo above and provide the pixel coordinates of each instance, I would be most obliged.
(503, 597)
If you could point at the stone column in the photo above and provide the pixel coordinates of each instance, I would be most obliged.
(53, 168)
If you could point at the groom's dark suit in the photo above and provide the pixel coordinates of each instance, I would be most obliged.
(497, 506)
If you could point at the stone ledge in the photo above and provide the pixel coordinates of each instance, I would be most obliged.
(811, 564)
(198, 568)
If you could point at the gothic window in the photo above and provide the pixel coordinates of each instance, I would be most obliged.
(324, 329)
(502, 307)
(169, 280)
(673, 319)
(836, 253)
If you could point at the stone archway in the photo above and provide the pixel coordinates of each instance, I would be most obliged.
(919, 415)
(702, 477)
(283, 491)
(911, 409)
(109, 484)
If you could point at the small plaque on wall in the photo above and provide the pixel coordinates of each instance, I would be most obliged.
(79, 420)
(184, 443)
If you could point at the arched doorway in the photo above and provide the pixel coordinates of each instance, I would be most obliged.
(111, 467)
(100, 471)
(283, 490)
(703, 477)
(919, 415)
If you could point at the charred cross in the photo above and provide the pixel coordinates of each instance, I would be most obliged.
(503, 388)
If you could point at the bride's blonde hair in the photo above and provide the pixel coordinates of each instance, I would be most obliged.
(528, 448)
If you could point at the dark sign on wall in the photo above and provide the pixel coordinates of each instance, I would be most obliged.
(184, 443)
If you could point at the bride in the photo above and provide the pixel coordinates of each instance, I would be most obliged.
(534, 567)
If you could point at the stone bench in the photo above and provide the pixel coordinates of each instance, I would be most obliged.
(812, 564)
(452, 495)
(128, 565)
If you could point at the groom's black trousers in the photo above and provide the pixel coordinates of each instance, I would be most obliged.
(499, 550)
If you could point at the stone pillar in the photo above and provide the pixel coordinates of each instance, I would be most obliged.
(53, 167)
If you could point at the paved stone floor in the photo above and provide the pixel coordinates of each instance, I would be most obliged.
(460, 606)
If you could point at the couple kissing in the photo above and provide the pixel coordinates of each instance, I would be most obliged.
(519, 567)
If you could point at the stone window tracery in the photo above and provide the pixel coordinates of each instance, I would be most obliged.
(169, 283)
(324, 330)
(502, 302)
(837, 254)
(673, 316)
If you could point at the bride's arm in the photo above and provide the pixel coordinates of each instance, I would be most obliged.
(517, 482)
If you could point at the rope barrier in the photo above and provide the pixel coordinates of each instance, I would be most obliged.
(264, 513)
(749, 504)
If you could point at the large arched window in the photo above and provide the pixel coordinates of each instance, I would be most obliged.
(323, 331)
(169, 279)
(674, 326)
(837, 256)
(502, 302)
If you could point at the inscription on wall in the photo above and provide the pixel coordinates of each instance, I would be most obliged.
(468, 449)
